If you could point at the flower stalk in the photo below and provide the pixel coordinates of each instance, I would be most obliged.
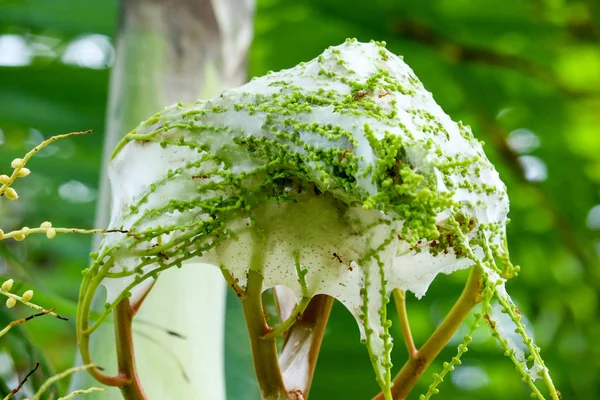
(123, 321)
(419, 360)
(264, 349)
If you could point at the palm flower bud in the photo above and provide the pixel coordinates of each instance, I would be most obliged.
(23, 172)
(7, 285)
(17, 163)
(11, 193)
(51, 233)
(10, 302)
(4, 179)
(46, 225)
(27, 296)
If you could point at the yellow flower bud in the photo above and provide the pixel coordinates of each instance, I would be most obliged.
(7, 285)
(28, 295)
(11, 193)
(51, 233)
(46, 225)
(23, 172)
(17, 163)
(10, 302)
(1, 233)
(25, 230)
(19, 236)
(4, 179)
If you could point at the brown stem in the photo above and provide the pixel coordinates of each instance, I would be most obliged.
(125, 357)
(264, 350)
(417, 364)
(300, 351)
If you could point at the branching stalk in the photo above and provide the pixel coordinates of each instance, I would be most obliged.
(418, 363)
(53, 379)
(31, 153)
(22, 321)
(81, 391)
(264, 351)
(400, 299)
(290, 321)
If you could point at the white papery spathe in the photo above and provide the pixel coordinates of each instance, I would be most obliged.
(349, 251)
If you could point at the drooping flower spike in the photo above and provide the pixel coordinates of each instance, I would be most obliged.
(340, 176)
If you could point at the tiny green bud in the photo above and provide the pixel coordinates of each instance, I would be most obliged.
(27, 296)
(17, 163)
(10, 302)
(7, 285)
(11, 193)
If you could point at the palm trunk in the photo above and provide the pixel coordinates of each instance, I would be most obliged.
(168, 52)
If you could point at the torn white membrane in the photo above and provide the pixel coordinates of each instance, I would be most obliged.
(284, 176)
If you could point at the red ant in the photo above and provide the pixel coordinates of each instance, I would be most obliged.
(489, 320)
(346, 151)
(360, 94)
(517, 311)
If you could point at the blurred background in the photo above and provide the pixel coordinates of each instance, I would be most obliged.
(525, 75)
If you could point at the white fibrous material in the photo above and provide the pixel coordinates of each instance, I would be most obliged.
(508, 331)
(505, 327)
(340, 176)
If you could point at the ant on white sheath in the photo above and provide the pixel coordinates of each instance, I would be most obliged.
(337, 257)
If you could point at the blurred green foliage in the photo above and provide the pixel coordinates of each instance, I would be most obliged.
(524, 74)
